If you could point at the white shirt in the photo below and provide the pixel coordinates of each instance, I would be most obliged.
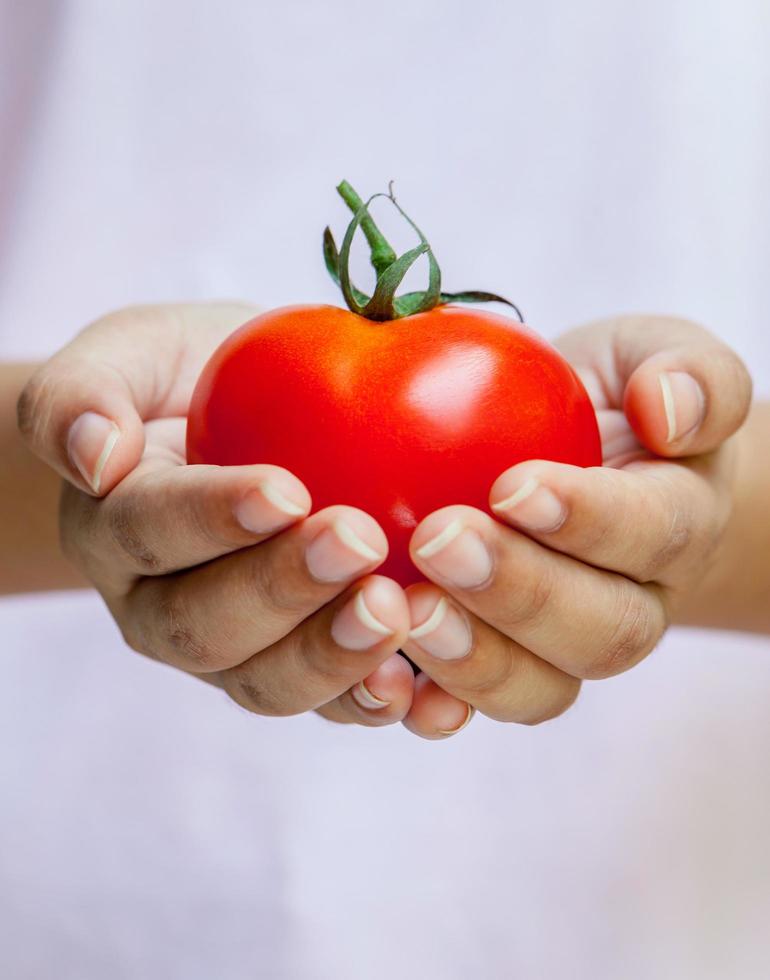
(584, 158)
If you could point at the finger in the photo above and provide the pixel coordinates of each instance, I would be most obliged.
(479, 665)
(436, 714)
(164, 517)
(619, 443)
(643, 522)
(382, 698)
(685, 391)
(220, 614)
(82, 411)
(585, 621)
(327, 654)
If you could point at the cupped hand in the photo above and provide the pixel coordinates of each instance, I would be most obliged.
(583, 569)
(218, 571)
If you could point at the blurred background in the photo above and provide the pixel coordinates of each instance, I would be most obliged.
(585, 159)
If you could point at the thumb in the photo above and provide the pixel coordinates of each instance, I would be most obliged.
(685, 391)
(83, 412)
(79, 414)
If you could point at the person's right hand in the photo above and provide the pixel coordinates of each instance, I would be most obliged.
(215, 570)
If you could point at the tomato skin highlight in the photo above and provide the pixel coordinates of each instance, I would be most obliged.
(397, 418)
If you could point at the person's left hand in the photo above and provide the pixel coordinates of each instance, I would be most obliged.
(584, 568)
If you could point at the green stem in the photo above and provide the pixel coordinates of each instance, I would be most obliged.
(384, 304)
(382, 255)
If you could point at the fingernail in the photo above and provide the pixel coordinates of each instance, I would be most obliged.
(683, 402)
(458, 554)
(90, 442)
(454, 731)
(534, 507)
(445, 634)
(355, 626)
(364, 697)
(338, 553)
(266, 508)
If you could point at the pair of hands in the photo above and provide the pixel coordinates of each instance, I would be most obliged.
(225, 573)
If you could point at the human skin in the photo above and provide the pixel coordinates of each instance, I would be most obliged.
(735, 592)
(30, 557)
(220, 572)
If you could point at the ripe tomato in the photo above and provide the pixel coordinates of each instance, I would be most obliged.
(397, 417)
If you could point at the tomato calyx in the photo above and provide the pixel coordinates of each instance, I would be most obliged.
(390, 268)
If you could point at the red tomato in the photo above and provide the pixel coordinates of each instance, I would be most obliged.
(397, 418)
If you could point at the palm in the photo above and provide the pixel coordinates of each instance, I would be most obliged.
(593, 352)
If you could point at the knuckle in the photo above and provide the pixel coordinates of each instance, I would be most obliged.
(498, 673)
(29, 408)
(316, 676)
(728, 392)
(664, 556)
(132, 629)
(172, 636)
(133, 636)
(739, 382)
(529, 604)
(322, 662)
(276, 589)
(348, 715)
(672, 545)
(206, 524)
(666, 526)
(596, 535)
(631, 639)
(555, 707)
(712, 532)
(117, 320)
(321, 671)
(599, 531)
(258, 698)
(123, 518)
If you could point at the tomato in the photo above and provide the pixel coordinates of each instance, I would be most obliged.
(397, 405)
(397, 417)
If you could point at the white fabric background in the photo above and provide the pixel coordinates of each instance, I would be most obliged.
(584, 158)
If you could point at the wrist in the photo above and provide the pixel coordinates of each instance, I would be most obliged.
(735, 591)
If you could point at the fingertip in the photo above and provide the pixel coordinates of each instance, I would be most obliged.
(435, 714)
(101, 452)
(510, 480)
(524, 495)
(441, 523)
(283, 487)
(422, 599)
(665, 408)
(372, 615)
(386, 602)
(356, 526)
(274, 499)
(679, 409)
(390, 686)
(93, 442)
